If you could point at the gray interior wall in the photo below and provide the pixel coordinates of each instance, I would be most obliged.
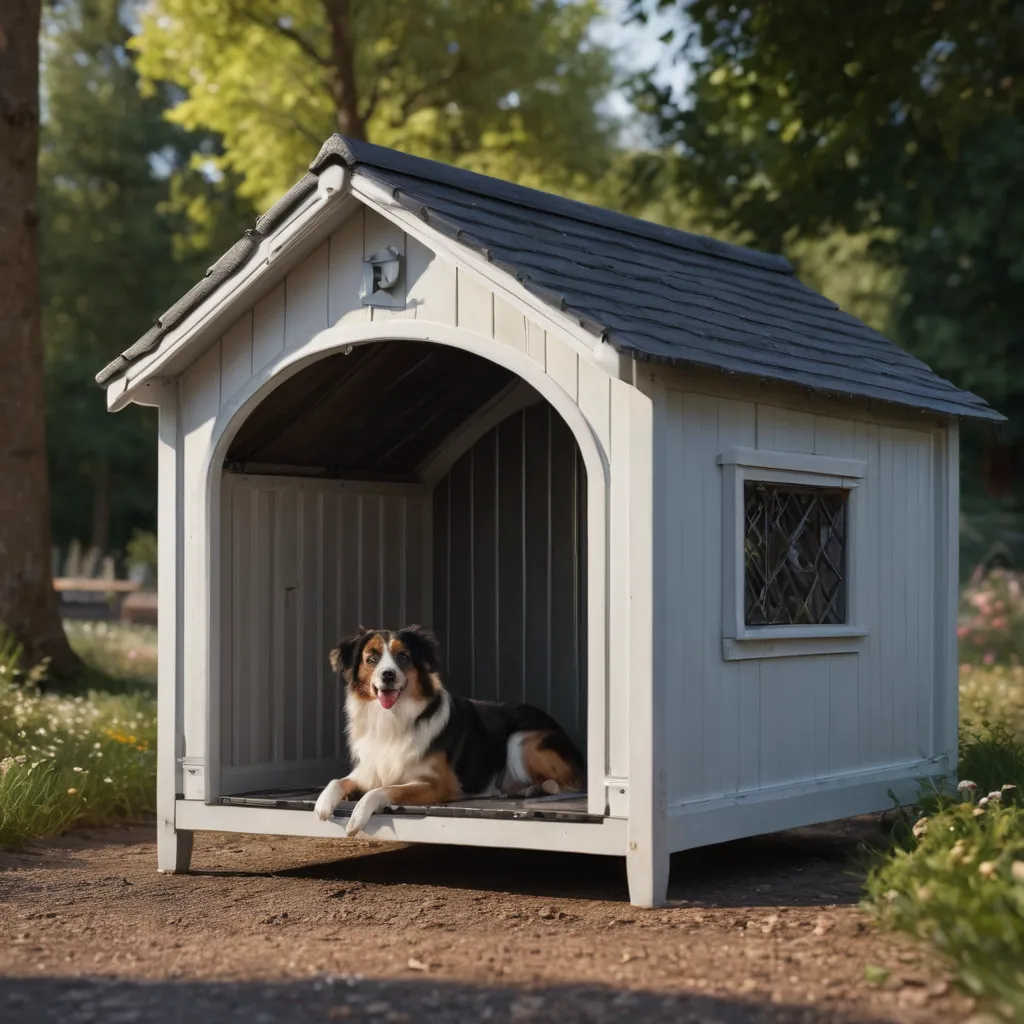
(509, 588)
(304, 564)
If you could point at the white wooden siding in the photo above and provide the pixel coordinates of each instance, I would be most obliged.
(320, 292)
(304, 563)
(742, 726)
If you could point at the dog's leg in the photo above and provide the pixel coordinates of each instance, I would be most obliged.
(414, 794)
(334, 793)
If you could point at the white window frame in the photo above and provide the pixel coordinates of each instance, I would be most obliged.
(740, 641)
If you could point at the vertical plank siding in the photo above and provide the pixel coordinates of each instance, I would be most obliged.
(509, 589)
(493, 559)
(295, 589)
(740, 726)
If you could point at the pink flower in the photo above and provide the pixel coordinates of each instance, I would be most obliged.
(990, 657)
(999, 623)
(962, 631)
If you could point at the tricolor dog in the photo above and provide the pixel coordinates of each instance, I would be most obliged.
(415, 743)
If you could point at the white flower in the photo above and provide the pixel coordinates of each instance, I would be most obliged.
(21, 759)
(920, 828)
(996, 795)
(966, 784)
(108, 779)
(1017, 871)
(77, 769)
(987, 868)
(983, 802)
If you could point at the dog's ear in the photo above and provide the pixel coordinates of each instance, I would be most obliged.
(343, 656)
(423, 645)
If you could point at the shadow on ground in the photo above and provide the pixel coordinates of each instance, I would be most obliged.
(807, 867)
(82, 1001)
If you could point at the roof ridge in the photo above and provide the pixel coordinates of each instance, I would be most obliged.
(355, 152)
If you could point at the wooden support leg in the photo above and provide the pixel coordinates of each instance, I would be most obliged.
(173, 849)
(647, 874)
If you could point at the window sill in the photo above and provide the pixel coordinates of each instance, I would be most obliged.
(793, 642)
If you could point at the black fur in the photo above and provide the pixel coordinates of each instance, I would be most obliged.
(475, 738)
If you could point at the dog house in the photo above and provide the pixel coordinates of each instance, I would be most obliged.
(645, 480)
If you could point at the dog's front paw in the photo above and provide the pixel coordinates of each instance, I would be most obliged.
(328, 800)
(365, 810)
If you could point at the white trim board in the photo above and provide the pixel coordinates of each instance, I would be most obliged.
(607, 838)
(764, 811)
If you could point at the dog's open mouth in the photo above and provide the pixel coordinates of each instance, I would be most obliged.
(388, 698)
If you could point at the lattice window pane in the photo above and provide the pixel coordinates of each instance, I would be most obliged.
(795, 554)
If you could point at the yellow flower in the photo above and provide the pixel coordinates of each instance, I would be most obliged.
(72, 791)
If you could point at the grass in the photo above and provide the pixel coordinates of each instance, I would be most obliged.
(83, 760)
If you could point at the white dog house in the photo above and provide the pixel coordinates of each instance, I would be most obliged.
(646, 480)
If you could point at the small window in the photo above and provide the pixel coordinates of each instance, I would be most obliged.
(789, 554)
(794, 555)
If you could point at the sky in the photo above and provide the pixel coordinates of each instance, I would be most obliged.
(638, 47)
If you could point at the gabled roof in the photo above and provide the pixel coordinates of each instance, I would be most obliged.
(653, 292)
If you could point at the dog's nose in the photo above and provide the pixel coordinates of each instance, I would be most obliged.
(387, 675)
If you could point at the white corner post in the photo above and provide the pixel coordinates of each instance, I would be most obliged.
(174, 846)
(647, 848)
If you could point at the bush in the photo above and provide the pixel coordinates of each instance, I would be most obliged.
(991, 629)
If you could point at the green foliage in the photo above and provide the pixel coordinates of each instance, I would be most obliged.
(960, 886)
(507, 88)
(991, 629)
(107, 259)
(117, 651)
(901, 119)
(69, 762)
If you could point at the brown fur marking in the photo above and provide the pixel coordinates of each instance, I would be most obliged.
(545, 765)
(440, 787)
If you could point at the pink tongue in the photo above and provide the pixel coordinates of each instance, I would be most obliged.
(388, 698)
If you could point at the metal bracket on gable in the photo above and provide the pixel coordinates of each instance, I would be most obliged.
(382, 272)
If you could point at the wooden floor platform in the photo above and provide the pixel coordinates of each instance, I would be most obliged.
(563, 807)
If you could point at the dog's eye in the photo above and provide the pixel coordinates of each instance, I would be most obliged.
(401, 657)
(372, 659)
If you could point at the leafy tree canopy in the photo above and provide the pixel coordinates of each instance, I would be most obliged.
(902, 119)
(508, 87)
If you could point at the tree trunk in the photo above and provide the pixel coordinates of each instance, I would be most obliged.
(28, 605)
(346, 97)
(101, 506)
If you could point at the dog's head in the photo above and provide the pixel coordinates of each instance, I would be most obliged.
(382, 665)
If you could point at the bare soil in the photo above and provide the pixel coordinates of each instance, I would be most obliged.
(267, 930)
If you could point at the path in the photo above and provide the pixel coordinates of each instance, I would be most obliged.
(269, 930)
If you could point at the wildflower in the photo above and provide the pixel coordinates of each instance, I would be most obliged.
(1008, 787)
(965, 784)
(21, 759)
(77, 769)
(987, 868)
(108, 779)
(5, 765)
(983, 802)
(1017, 871)
(920, 828)
(924, 893)
(97, 745)
(978, 811)
(891, 895)
(996, 795)
(957, 852)
(72, 791)
(989, 658)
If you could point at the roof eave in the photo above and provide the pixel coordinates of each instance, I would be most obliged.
(296, 233)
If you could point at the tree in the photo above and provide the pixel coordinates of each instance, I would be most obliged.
(902, 119)
(28, 605)
(114, 180)
(510, 87)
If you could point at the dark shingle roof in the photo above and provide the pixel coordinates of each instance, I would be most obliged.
(656, 293)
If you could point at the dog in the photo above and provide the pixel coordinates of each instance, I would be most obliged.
(414, 743)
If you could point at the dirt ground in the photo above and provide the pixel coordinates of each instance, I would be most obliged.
(268, 930)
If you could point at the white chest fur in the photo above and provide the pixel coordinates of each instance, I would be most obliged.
(389, 747)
